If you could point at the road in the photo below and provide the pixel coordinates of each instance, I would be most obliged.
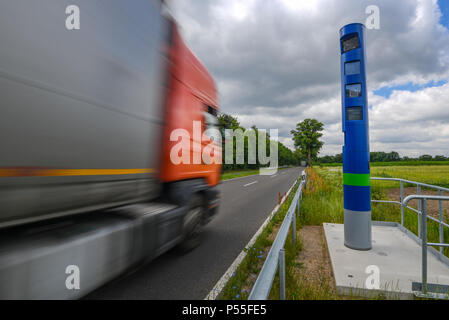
(245, 205)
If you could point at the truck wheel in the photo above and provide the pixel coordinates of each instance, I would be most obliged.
(192, 224)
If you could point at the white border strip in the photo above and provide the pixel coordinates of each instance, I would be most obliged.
(216, 290)
(256, 174)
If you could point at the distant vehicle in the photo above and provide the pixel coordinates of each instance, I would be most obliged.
(85, 173)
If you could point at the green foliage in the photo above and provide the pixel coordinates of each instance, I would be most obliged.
(384, 157)
(425, 157)
(323, 201)
(323, 197)
(286, 157)
(306, 138)
(337, 159)
(246, 274)
(226, 121)
(390, 157)
(435, 175)
(431, 174)
(237, 174)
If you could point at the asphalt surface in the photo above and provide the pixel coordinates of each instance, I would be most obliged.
(245, 205)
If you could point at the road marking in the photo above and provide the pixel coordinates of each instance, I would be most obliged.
(248, 184)
(274, 176)
(216, 290)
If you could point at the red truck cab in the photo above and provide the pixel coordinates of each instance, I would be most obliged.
(192, 96)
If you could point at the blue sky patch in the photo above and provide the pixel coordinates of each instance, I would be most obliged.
(444, 7)
(386, 91)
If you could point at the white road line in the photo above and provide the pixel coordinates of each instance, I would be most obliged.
(216, 290)
(274, 176)
(239, 178)
(248, 184)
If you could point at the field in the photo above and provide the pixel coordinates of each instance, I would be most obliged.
(395, 164)
(308, 269)
(325, 201)
(436, 175)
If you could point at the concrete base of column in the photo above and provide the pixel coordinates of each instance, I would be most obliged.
(357, 230)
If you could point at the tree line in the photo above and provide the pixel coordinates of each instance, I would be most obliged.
(286, 157)
(383, 157)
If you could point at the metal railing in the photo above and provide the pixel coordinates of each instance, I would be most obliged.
(419, 210)
(424, 244)
(422, 219)
(276, 256)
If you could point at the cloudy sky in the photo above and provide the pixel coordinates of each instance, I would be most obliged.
(277, 62)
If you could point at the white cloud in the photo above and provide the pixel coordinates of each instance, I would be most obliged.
(276, 63)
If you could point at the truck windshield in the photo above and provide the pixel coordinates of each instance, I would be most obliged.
(212, 129)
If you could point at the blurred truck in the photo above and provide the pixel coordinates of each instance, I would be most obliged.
(87, 187)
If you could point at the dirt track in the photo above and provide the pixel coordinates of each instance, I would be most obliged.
(432, 205)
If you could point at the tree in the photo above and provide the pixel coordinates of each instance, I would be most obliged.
(226, 121)
(286, 156)
(298, 156)
(425, 157)
(306, 138)
(339, 158)
(384, 157)
(393, 156)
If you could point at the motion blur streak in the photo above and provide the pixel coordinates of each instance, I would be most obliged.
(85, 177)
(31, 172)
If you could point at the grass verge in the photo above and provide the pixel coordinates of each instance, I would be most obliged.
(238, 174)
(323, 201)
(240, 284)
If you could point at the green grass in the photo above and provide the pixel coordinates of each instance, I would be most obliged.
(238, 174)
(321, 202)
(435, 175)
(240, 284)
(323, 197)
(292, 285)
(324, 201)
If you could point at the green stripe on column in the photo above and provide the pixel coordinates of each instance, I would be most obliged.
(354, 179)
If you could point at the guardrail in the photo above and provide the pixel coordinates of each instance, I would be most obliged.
(422, 221)
(424, 244)
(419, 210)
(276, 256)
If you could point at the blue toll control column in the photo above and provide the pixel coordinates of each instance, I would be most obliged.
(356, 165)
